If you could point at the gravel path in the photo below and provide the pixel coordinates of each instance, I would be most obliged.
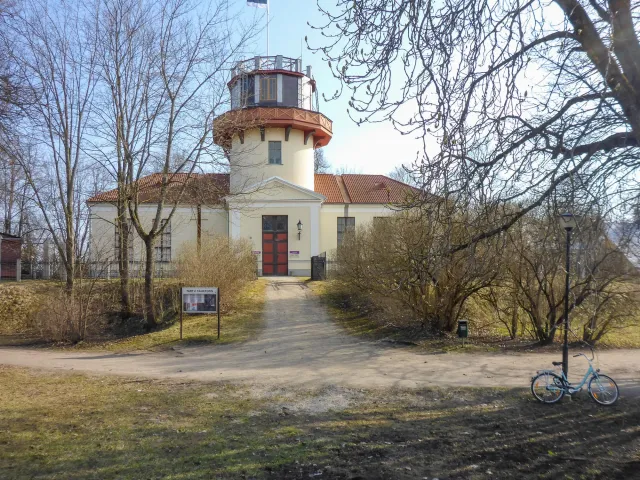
(301, 347)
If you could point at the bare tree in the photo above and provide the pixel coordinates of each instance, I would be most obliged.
(9, 88)
(54, 50)
(405, 175)
(520, 96)
(165, 66)
(320, 163)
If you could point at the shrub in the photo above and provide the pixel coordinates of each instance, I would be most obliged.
(404, 262)
(18, 306)
(220, 262)
(65, 317)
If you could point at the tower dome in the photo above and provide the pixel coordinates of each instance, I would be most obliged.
(273, 125)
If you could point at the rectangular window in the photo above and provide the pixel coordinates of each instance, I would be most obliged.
(269, 89)
(246, 91)
(290, 91)
(163, 245)
(129, 226)
(275, 153)
(346, 225)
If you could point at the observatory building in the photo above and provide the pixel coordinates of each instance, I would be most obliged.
(271, 195)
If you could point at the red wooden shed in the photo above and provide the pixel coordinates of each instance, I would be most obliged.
(10, 252)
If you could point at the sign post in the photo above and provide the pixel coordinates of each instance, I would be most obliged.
(200, 300)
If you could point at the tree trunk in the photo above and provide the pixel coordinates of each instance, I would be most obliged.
(514, 318)
(125, 302)
(148, 284)
(550, 333)
(123, 263)
(69, 264)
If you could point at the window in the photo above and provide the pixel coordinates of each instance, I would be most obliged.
(290, 91)
(246, 91)
(345, 225)
(269, 89)
(163, 247)
(274, 223)
(275, 153)
(116, 249)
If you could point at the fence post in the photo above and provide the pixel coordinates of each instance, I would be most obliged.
(18, 270)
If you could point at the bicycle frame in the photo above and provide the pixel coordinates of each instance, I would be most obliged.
(571, 389)
(567, 386)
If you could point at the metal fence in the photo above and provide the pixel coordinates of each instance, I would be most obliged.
(10, 270)
(136, 269)
(20, 271)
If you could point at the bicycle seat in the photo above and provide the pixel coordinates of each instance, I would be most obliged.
(556, 364)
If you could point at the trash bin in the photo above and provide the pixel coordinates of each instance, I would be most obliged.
(463, 328)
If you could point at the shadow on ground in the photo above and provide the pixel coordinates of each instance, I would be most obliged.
(78, 427)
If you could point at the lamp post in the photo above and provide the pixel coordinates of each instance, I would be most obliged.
(568, 222)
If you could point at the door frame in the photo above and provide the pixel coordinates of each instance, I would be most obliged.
(280, 236)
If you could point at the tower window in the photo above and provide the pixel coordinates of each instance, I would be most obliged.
(246, 91)
(269, 89)
(275, 153)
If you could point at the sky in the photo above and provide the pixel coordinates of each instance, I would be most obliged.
(369, 148)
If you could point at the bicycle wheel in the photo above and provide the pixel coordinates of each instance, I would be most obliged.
(547, 387)
(603, 389)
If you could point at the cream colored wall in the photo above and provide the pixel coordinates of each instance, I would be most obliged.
(329, 214)
(216, 221)
(183, 228)
(251, 227)
(250, 161)
(102, 226)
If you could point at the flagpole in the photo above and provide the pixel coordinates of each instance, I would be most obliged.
(268, 27)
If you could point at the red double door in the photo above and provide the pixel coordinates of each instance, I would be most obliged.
(275, 245)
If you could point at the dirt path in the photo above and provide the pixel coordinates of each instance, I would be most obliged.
(300, 346)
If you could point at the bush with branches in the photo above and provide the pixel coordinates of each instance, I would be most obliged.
(217, 262)
(405, 259)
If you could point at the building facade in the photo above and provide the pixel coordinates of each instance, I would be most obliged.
(271, 195)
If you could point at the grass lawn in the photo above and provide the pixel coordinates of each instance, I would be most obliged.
(490, 337)
(242, 323)
(69, 426)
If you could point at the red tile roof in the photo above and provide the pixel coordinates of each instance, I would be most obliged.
(211, 187)
(326, 184)
(375, 189)
(200, 188)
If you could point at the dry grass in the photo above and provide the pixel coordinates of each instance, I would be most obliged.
(75, 427)
(241, 319)
(241, 322)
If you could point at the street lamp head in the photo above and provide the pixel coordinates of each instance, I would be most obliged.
(567, 221)
(299, 226)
